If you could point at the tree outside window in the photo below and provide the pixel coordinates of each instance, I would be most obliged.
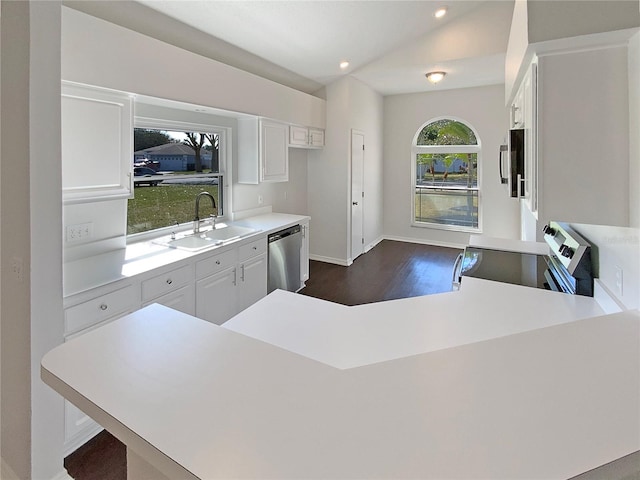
(445, 156)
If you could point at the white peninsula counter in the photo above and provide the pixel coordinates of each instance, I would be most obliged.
(353, 400)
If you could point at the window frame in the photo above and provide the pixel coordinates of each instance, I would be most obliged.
(439, 149)
(224, 153)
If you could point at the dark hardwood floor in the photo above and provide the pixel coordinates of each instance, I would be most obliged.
(389, 271)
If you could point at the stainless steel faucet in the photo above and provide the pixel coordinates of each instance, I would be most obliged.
(196, 220)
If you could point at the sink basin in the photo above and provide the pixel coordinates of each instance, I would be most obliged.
(222, 235)
(191, 243)
(229, 232)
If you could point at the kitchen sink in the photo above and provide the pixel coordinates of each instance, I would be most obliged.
(228, 232)
(223, 234)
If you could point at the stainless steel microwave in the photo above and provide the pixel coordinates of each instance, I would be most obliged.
(512, 163)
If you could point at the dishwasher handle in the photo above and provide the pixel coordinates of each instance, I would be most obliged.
(274, 237)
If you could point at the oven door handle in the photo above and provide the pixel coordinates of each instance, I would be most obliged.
(457, 267)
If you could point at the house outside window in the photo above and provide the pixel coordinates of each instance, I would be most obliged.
(445, 158)
(172, 164)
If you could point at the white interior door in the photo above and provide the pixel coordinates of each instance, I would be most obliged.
(357, 194)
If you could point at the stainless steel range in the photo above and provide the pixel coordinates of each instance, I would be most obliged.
(567, 268)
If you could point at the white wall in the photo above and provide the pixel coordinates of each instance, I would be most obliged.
(616, 247)
(634, 131)
(483, 108)
(100, 53)
(16, 348)
(32, 217)
(351, 105)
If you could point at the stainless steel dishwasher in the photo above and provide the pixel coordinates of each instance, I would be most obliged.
(284, 259)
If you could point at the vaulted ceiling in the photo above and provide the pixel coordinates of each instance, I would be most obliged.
(389, 44)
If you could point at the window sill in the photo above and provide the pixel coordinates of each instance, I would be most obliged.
(450, 228)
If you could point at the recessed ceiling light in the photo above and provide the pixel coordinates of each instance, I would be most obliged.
(441, 12)
(435, 77)
(344, 65)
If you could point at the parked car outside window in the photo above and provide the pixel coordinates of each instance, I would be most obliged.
(145, 175)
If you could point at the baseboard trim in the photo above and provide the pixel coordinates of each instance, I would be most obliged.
(373, 244)
(460, 246)
(346, 263)
(63, 475)
(335, 261)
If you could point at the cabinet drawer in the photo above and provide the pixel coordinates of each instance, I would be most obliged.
(252, 249)
(156, 286)
(94, 311)
(216, 263)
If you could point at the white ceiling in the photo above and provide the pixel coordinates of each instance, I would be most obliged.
(390, 44)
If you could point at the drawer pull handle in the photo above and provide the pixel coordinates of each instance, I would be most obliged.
(255, 248)
(217, 262)
(103, 306)
(169, 281)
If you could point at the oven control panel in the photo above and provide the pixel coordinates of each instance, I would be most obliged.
(566, 244)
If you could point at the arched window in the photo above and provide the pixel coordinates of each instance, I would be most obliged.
(445, 157)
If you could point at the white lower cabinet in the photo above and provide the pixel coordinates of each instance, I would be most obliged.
(173, 289)
(222, 294)
(252, 285)
(182, 299)
(215, 296)
(87, 312)
(214, 286)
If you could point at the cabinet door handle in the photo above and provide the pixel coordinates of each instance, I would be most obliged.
(103, 306)
(255, 248)
(354, 203)
(242, 272)
(217, 262)
(235, 276)
(169, 281)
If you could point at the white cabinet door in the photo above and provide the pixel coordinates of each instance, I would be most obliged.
(304, 254)
(216, 297)
(316, 137)
(253, 281)
(182, 299)
(97, 144)
(263, 151)
(274, 152)
(303, 137)
(298, 136)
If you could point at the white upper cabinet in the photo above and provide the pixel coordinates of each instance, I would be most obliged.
(97, 144)
(274, 152)
(263, 151)
(303, 137)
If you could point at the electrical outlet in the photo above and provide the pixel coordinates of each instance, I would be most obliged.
(619, 279)
(260, 200)
(79, 232)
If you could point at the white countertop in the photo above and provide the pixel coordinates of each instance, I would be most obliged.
(509, 245)
(200, 401)
(347, 337)
(140, 257)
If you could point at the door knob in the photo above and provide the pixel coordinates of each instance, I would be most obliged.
(354, 203)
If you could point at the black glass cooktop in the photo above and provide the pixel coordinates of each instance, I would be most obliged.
(508, 267)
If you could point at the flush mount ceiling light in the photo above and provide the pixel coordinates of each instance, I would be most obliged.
(441, 12)
(344, 65)
(435, 77)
